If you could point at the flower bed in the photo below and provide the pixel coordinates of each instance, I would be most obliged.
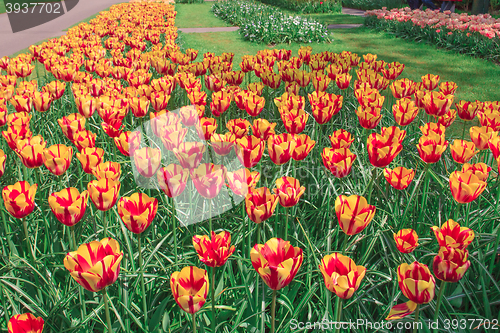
(477, 35)
(307, 6)
(269, 25)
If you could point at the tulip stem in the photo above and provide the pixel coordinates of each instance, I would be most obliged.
(273, 311)
(25, 225)
(286, 222)
(104, 223)
(467, 212)
(338, 313)
(424, 196)
(212, 295)
(370, 185)
(438, 302)
(344, 245)
(194, 322)
(143, 289)
(72, 231)
(106, 309)
(463, 130)
(416, 321)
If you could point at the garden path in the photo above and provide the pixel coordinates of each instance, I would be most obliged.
(348, 11)
(15, 42)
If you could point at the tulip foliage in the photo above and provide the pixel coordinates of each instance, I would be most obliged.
(151, 188)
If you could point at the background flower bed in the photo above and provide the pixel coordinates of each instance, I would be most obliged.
(373, 4)
(308, 6)
(269, 25)
(477, 36)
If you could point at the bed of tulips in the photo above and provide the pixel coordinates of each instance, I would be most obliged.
(298, 191)
(267, 24)
(477, 35)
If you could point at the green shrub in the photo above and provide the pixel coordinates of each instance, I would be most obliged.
(269, 25)
(308, 6)
(189, 1)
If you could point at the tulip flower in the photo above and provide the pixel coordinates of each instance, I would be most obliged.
(402, 88)
(190, 288)
(208, 178)
(72, 124)
(189, 115)
(490, 119)
(159, 100)
(448, 118)
(222, 144)
(238, 126)
(467, 110)
(90, 158)
(382, 149)
(448, 88)
(95, 265)
(341, 274)
(14, 134)
(3, 159)
(25, 322)
(68, 205)
(451, 234)
(343, 81)
(431, 147)
(341, 139)
(404, 111)
(206, 127)
(406, 240)
(189, 154)
(277, 262)
(139, 106)
(242, 181)
(21, 103)
(436, 103)
(260, 204)
(57, 158)
(417, 284)
(163, 120)
(294, 120)
(338, 161)
(86, 105)
(172, 179)
(221, 101)
(450, 264)
(104, 193)
(173, 136)
(30, 151)
(254, 104)
(303, 146)
(147, 160)
(353, 213)
(481, 136)
(41, 101)
(463, 151)
(19, 199)
(368, 117)
(213, 250)
(466, 186)
(127, 142)
(249, 150)
(399, 177)
(137, 211)
(84, 139)
(481, 170)
(324, 106)
(320, 81)
(289, 191)
(280, 148)
(108, 170)
(262, 128)
(430, 81)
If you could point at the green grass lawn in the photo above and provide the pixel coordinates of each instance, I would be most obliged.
(197, 16)
(336, 18)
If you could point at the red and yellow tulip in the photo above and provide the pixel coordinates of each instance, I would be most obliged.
(406, 240)
(451, 234)
(242, 181)
(137, 211)
(260, 204)
(190, 288)
(25, 323)
(104, 193)
(19, 199)
(57, 158)
(451, 264)
(341, 274)
(277, 262)
(213, 250)
(289, 191)
(68, 205)
(95, 265)
(399, 177)
(466, 186)
(353, 213)
(208, 178)
(147, 160)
